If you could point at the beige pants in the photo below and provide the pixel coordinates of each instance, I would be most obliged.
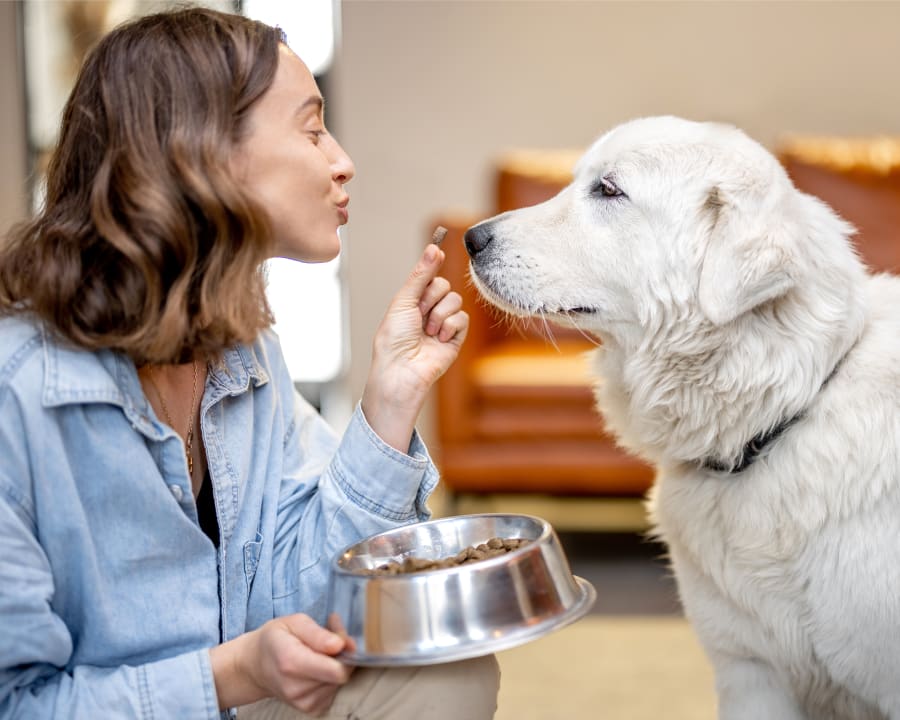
(465, 690)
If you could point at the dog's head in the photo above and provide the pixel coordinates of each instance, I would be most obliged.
(722, 294)
(664, 217)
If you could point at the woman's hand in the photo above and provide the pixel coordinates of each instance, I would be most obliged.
(290, 658)
(418, 339)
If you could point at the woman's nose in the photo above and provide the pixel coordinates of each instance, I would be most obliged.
(342, 169)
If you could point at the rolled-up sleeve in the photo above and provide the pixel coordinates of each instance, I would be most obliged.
(401, 486)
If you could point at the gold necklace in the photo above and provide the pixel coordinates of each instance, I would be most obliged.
(189, 436)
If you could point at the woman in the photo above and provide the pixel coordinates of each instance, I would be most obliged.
(168, 505)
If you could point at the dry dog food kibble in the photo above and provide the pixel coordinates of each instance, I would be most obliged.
(491, 548)
(440, 232)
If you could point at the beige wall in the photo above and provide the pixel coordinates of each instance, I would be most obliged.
(12, 122)
(427, 93)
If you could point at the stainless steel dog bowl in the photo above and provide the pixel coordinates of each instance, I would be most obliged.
(438, 616)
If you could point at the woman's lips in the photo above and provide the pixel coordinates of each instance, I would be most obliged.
(342, 210)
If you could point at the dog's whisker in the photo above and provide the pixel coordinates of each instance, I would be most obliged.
(592, 340)
(548, 330)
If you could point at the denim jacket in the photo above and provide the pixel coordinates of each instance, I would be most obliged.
(110, 593)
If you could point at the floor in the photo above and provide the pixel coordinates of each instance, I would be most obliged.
(611, 667)
(634, 656)
(628, 571)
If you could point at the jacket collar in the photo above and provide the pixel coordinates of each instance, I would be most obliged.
(238, 367)
(75, 376)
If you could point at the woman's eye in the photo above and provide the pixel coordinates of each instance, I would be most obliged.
(606, 188)
(316, 134)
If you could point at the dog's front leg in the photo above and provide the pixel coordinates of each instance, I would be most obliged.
(751, 690)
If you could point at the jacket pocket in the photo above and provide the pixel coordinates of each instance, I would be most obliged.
(252, 552)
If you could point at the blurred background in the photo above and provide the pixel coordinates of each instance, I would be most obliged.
(456, 109)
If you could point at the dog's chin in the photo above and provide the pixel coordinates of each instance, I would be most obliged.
(579, 316)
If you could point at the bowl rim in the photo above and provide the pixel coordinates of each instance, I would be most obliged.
(337, 568)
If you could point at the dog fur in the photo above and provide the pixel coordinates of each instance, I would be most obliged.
(728, 302)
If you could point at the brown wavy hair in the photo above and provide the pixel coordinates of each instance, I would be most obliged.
(146, 243)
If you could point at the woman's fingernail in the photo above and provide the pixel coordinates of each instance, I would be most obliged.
(431, 253)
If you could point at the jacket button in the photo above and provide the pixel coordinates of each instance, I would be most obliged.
(177, 492)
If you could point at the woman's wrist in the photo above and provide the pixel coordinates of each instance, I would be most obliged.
(234, 686)
(392, 419)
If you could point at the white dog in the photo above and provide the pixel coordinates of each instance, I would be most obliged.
(748, 355)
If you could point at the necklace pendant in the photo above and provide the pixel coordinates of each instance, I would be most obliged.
(189, 441)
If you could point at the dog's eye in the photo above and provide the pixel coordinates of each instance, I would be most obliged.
(606, 188)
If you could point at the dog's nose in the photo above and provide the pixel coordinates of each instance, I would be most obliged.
(477, 239)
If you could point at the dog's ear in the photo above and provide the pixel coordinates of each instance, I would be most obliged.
(749, 258)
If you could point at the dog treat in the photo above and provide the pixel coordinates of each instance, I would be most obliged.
(440, 232)
(492, 548)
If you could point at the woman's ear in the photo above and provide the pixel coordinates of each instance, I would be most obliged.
(751, 255)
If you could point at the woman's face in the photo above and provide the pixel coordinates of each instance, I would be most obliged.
(293, 168)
